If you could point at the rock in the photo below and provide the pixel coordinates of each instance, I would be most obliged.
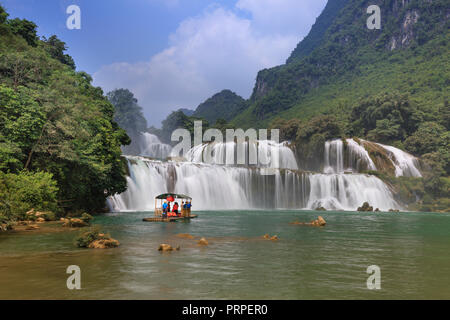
(30, 212)
(321, 209)
(75, 223)
(202, 242)
(32, 227)
(377, 210)
(394, 210)
(167, 248)
(321, 221)
(22, 223)
(104, 244)
(365, 207)
(185, 236)
(40, 220)
(274, 238)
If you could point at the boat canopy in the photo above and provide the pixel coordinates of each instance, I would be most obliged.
(174, 195)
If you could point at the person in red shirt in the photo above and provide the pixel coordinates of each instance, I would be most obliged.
(175, 208)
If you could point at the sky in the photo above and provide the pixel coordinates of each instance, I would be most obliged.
(174, 53)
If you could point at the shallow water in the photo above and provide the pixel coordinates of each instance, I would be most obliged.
(412, 250)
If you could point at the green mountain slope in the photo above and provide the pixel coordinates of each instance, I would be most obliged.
(409, 54)
(223, 105)
(318, 30)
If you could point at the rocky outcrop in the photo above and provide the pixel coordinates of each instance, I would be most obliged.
(167, 248)
(202, 242)
(272, 238)
(104, 244)
(74, 223)
(365, 207)
(319, 222)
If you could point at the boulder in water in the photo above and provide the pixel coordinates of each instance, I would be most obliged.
(167, 248)
(202, 242)
(365, 207)
(319, 222)
(104, 244)
(394, 210)
(321, 209)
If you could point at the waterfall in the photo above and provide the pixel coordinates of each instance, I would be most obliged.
(354, 159)
(150, 146)
(212, 186)
(404, 163)
(208, 174)
(348, 192)
(268, 154)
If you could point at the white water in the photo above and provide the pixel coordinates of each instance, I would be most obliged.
(404, 163)
(355, 158)
(267, 154)
(221, 185)
(150, 146)
(349, 191)
(336, 161)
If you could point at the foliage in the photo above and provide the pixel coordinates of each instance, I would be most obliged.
(56, 48)
(26, 29)
(85, 238)
(384, 118)
(127, 113)
(21, 192)
(223, 105)
(178, 120)
(52, 119)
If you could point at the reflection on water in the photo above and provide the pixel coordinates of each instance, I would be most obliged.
(412, 250)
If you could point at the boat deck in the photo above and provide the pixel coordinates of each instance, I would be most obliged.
(169, 219)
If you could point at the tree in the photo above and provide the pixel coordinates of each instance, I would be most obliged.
(56, 48)
(127, 113)
(26, 29)
(385, 117)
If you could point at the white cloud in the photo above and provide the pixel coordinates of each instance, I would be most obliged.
(217, 50)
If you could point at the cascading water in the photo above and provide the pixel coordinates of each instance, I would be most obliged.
(353, 159)
(150, 146)
(404, 163)
(221, 185)
(267, 154)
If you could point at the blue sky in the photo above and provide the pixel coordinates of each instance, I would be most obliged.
(174, 53)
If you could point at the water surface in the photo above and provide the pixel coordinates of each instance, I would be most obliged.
(412, 250)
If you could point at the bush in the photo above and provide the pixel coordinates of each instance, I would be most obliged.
(21, 192)
(87, 218)
(87, 237)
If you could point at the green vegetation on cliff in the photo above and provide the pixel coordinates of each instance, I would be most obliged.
(223, 105)
(59, 145)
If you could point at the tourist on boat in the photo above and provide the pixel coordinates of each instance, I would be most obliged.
(188, 205)
(165, 209)
(175, 208)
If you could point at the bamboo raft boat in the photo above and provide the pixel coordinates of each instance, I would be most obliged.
(169, 219)
(185, 212)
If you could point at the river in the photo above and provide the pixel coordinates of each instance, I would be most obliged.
(411, 249)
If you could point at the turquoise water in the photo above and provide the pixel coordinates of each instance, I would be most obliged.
(412, 250)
